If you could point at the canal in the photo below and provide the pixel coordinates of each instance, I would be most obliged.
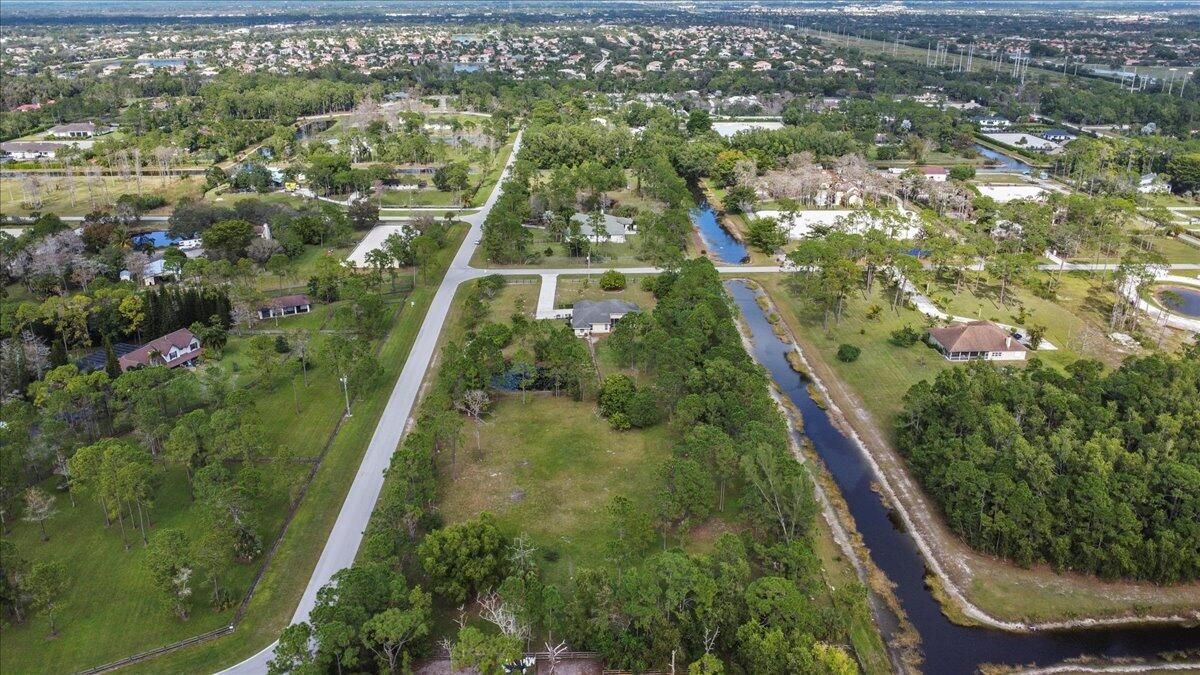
(1007, 163)
(948, 648)
(717, 241)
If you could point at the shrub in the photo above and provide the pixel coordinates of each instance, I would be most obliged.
(281, 345)
(620, 421)
(616, 394)
(643, 409)
(962, 172)
(905, 337)
(612, 280)
(848, 353)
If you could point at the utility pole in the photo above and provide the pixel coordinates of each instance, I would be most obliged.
(346, 394)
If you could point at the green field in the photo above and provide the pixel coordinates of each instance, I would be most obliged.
(286, 576)
(552, 481)
(73, 196)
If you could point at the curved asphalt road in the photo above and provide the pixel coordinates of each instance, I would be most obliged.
(347, 533)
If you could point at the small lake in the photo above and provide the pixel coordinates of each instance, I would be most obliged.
(1187, 304)
(156, 239)
(1006, 163)
(948, 648)
(716, 240)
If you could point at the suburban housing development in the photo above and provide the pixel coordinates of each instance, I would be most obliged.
(599, 337)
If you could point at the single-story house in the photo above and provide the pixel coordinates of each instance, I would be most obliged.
(990, 123)
(597, 317)
(286, 305)
(1058, 135)
(180, 348)
(937, 174)
(977, 340)
(26, 150)
(615, 228)
(74, 130)
(1152, 183)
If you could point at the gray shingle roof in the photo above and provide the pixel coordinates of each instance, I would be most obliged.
(587, 312)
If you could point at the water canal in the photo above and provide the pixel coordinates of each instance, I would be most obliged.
(716, 239)
(948, 648)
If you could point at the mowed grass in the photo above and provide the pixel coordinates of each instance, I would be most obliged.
(111, 608)
(550, 480)
(573, 289)
(274, 601)
(883, 372)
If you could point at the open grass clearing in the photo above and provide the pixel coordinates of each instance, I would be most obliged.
(552, 480)
(77, 195)
(285, 578)
(573, 289)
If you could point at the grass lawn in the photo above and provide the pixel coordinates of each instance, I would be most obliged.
(285, 578)
(883, 372)
(111, 609)
(71, 196)
(999, 179)
(551, 480)
(403, 198)
(605, 255)
(492, 173)
(573, 289)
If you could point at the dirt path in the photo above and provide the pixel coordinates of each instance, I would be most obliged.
(952, 562)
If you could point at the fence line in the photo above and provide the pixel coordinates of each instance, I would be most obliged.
(130, 660)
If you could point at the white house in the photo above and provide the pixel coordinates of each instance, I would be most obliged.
(74, 130)
(615, 228)
(937, 174)
(287, 305)
(977, 340)
(597, 317)
(180, 348)
(1151, 183)
(28, 150)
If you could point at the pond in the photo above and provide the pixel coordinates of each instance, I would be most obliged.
(716, 239)
(1007, 163)
(948, 648)
(1186, 301)
(156, 239)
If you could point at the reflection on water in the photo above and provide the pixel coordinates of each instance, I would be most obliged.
(716, 239)
(948, 648)
(1181, 300)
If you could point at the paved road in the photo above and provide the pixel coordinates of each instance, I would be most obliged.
(342, 545)
(347, 533)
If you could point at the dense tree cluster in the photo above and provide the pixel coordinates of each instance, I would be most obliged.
(1090, 471)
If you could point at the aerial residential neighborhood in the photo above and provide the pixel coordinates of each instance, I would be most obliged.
(486, 338)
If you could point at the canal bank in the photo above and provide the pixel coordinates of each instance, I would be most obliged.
(899, 547)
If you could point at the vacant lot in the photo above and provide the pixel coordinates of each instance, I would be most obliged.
(552, 480)
(79, 195)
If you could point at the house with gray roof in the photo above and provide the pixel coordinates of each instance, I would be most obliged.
(597, 317)
(615, 228)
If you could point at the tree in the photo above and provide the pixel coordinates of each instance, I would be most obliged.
(616, 395)
(739, 199)
(707, 665)
(847, 353)
(699, 122)
(389, 632)
(453, 177)
(612, 280)
(1184, 169)
(39, 507)
(474, 403)
(363, 213)
(112, 367)
(45, 584)
(228, 239)
(169, 562)
(293, 653)
(1007, 267)
(778, 490)
(486, 654)
(465, 559)
(765, 234)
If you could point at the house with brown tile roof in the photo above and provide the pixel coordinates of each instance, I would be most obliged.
(977, 340)
(179, 348)
(285, 305)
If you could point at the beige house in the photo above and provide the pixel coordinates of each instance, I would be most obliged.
(977, 340)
